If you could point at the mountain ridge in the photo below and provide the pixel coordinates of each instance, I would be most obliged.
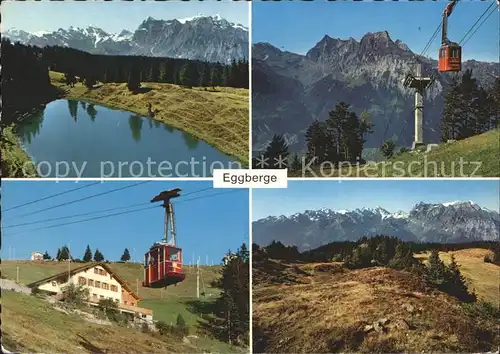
(449, 222)
(207, 38)
(367, 74)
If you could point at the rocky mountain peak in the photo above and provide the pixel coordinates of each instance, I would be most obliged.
(451, 222)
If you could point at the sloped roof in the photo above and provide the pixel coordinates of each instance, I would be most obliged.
(81, 269)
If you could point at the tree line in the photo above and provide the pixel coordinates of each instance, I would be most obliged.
(130, 69)
(388, 251)
(232, 307)
(64, 254)
(341, 137)
(468, 108)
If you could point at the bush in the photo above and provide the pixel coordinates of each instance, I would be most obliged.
(181, 326)
(387, 149)
(164, 328)
(75, 294)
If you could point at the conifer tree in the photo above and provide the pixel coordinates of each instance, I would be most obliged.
(87, 257)
(125, 256)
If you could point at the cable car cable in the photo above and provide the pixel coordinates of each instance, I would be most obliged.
(84, 220)
(73, 216)
(212, 195)
(124, 212)
(50, 196)
(88, 213)
(477, 28)
(201, 190)
(80, 200)
(475, 23)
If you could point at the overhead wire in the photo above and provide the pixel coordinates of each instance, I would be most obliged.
(79, 200)
(124, 212)
(478, 27)
(475, 23)
(49, 197)
(90, 213)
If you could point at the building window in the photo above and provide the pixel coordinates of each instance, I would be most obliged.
(82, 281)
(101, 296)
(91, 282)
(143, 316)
(105, 286)
(96, 271)
(114, 288)
(94, 296)
(97, 284)
(54, 283)
(117, 301)
(125, 302)
(132, 303)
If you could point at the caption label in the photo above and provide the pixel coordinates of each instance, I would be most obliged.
(250, 178)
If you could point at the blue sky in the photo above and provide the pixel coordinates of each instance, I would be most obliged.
(297, 26)
(392, 195)
(206, 226)
(112, 16)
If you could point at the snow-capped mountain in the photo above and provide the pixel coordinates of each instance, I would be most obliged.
(444, 223)
(208, 38)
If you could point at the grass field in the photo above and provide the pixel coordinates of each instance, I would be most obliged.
(328, 308)
(220, 118)
(30, 324)
(477, 156)
(483, 277)
(166, 304)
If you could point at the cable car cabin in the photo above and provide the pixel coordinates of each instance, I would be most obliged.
(450, 58)
(163, 266)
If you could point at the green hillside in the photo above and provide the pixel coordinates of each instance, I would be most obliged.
(166, 304)
(477, 156)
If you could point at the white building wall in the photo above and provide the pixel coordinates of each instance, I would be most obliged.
(96, 279)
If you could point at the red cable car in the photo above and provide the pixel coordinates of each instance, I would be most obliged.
(450, 53)
(450, 58)
(163, 266)
(163, 261)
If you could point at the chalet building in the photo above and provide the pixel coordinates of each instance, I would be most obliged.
(36, 256)
(102, 283)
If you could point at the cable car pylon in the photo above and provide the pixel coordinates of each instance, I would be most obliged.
(420, 84)
(163, 261)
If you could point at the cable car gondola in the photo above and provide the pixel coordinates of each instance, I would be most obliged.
(163, 261)
(450, 53)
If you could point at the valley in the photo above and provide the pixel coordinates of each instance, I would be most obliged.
(290, 91)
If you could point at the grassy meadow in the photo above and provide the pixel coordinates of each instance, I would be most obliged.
(166, 305)
(325, 307)
(220, 117)
(479, 155)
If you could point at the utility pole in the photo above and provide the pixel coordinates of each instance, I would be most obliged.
(17, 274)
(137, 282)
(206, 262)
(198, 278)
(420, 84)
(69, 263)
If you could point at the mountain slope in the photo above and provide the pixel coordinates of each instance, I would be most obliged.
(325, 308)
(367, 74)
(444, 223)
(207, 38)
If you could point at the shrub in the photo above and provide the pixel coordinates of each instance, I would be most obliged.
(75, 294)
(181, 326)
